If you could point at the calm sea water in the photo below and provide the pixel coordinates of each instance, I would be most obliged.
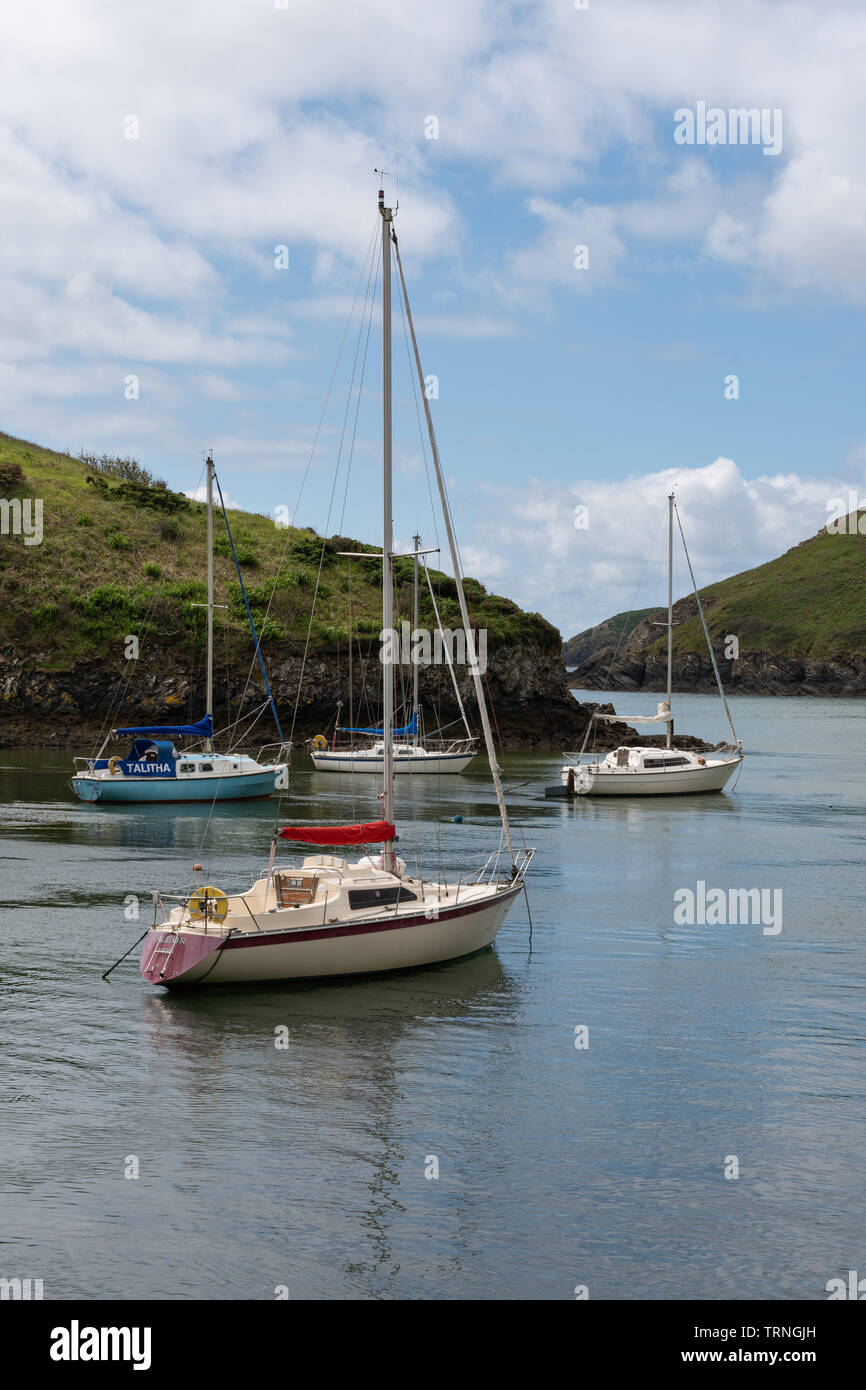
(558, 1166)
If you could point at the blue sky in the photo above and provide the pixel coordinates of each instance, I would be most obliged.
(256, 126)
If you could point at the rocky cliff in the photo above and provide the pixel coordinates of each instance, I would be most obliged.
(527, 684)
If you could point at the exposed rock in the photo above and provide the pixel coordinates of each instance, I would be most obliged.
(532, 706)
(754, 673)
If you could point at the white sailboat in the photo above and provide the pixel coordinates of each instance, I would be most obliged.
(411, 753)
(154, 770)
(648, 770)
(326, 916)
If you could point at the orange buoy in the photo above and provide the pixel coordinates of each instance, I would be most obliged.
(196, 868)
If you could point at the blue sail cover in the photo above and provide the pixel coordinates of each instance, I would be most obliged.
(203, 729)
(410, 728)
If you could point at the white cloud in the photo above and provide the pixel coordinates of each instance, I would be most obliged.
(261, 127)
(199, 494)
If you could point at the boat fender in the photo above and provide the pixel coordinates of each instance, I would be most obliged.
(570, 783)
(213, 901)
(320, 743)
(115, 766)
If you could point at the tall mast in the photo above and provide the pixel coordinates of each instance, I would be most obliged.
(416, 541)
(209, 693)
(669, 726)
(387, 540)
(458, 575)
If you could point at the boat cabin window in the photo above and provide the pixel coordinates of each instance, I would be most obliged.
(379, 897)
(187, 767)
(665, 762)
(207, 767)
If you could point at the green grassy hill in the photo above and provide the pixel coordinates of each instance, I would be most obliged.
(121, 556)
(810, 603)
(605, 634)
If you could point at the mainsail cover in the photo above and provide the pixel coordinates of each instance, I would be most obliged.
(203, 729)
(664, 716)
(410, 728)
(370, 833)
(635, 718)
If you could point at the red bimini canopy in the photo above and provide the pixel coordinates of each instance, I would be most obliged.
(367, 834)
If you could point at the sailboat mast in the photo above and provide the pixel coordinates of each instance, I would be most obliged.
(209, 681)
(458, 574)
(416, 541)
(387, 541)
(670, 724)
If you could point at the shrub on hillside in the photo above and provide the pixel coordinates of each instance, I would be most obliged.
(113, 466)
(11, 476)
(307, 548)
(243, 548)
(154, 495)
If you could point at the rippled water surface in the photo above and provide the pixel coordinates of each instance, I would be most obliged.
(558, 1166)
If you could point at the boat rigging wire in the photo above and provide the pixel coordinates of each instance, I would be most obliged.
(458, 576)
(125, 680)
(258, 640)
(706, 631)
(370, 253)
(328, 518)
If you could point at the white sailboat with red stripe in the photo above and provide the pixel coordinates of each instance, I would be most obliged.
(327, 915)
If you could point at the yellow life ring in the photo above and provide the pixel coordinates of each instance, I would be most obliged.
(208, 902)
(320, 743)
(114, 766)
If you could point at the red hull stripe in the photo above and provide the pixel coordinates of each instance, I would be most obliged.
(279, 938)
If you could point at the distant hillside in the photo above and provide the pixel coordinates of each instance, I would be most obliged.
(800, 622)
(122, 554)
(607, 634)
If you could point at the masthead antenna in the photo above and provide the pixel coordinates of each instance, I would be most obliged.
(383, 174)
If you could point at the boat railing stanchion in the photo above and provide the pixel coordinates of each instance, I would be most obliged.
(253, 918)
(270, 873)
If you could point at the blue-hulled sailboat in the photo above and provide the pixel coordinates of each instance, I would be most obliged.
(154, 770)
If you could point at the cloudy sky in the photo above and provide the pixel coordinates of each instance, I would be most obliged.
(153, 155)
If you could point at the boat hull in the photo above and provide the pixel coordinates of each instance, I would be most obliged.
(671, 782)
(362, 948)
(238, 787)
(417, 767)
